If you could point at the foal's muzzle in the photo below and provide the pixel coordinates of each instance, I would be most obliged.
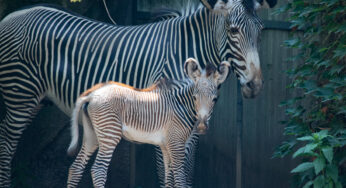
(202, 126)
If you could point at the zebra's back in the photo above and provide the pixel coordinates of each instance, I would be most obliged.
(71, 53)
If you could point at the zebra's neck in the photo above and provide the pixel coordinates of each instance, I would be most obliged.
(181, 97)
(207, 30)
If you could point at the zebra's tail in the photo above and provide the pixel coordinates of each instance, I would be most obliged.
(74, 125)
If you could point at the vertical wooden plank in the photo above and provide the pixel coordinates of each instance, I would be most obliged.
(239, 121)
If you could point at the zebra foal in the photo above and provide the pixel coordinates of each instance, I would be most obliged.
(164, 115)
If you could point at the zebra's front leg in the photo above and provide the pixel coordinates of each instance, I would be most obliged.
(166, 178)
(176, 151)
(19, 113)
(189, 163)
(168, 174)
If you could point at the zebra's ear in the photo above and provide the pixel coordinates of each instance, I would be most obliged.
(267, 3)
(257, 4)
(192, 69)
(222, 73)
(209, 4)
(216, 5)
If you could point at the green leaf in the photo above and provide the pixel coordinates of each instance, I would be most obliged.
(339, 53)
(319, 164)
(332, 171)
(324, 92)
(328, 153)
(330, 184)
(309, 85)
(303, 167)
(319, 182)
(306, 138)
(338, 185)
(292, 42)
(305, 150)
(284, 149)
(308, 184)
(322, 134)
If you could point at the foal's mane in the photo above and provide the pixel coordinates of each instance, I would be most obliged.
(162, 84)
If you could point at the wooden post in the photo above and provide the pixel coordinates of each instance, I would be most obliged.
(239, 120)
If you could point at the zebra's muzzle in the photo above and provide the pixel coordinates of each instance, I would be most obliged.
(202, 126)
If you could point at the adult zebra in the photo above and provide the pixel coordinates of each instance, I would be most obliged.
(49, 52)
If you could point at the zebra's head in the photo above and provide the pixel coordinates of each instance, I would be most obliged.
(206, 84)
(239, 34)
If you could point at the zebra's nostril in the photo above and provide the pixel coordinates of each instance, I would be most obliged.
(250, 84)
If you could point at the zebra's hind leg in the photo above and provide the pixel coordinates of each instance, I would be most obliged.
(21, 108)
(108, 131)
(89, 146)
(102, 161)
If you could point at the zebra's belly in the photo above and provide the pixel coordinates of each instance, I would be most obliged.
(61, 105)
(155, 137)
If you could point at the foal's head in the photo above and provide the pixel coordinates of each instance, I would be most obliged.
(207, 82)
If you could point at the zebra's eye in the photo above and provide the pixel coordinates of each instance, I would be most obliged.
(234, 30)
(215, 99)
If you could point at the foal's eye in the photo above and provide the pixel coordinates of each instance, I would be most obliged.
(234, 30)
(215, 99)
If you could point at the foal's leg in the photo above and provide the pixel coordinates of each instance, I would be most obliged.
(108, 131)
(166, 178)
(176, 151)
(168, 175)
(190, 153)
(189, 163)
(88, 148)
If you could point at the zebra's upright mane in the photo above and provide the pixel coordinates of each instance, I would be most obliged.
(189, 7)
(167, 85)
(184, 8)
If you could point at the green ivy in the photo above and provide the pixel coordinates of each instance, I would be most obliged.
(315, 129)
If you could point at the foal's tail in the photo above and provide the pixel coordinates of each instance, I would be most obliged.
(74, 124)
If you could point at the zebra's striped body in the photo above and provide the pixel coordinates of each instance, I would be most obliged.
(163, 115)
(49, 52)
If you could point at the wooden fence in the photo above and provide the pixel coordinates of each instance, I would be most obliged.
(236, 152)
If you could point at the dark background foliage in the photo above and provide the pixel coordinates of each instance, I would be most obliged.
(317, 115)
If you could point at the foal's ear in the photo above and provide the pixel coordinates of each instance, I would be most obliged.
(192, 69)
(258, 4)
(222, 73)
